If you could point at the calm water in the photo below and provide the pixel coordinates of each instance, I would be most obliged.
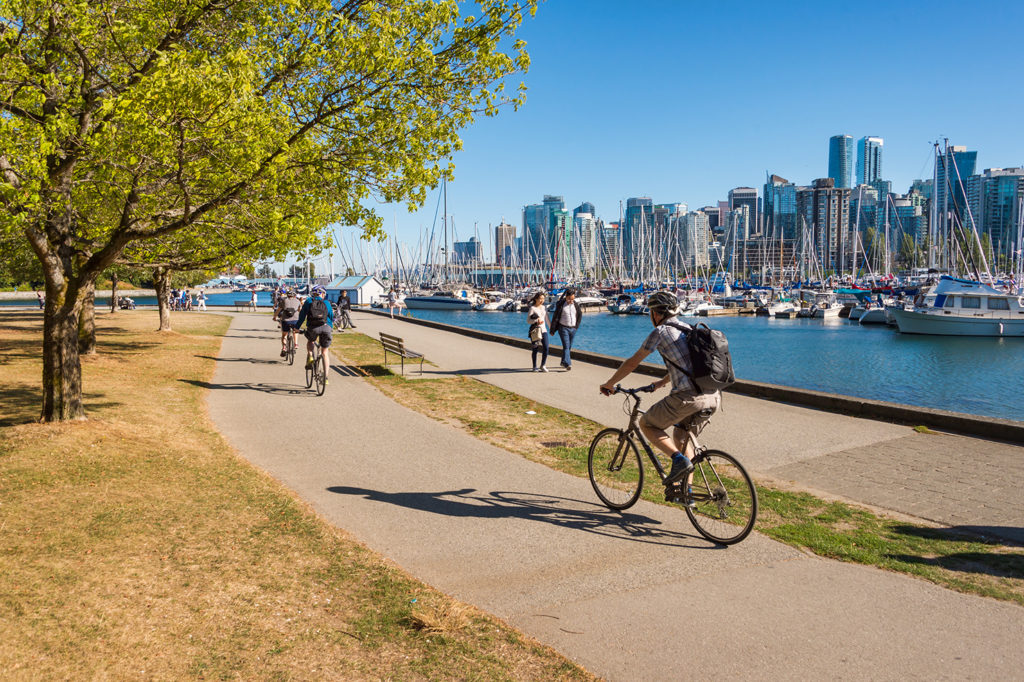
(983, 376)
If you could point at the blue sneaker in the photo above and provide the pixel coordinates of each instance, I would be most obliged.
(681, 466)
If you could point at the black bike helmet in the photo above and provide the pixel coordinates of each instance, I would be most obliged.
(664, 303)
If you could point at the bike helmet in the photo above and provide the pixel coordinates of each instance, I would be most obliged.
(664, 303)
(319, 291)
(290, 291)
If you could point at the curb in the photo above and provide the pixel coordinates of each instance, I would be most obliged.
(897, 413)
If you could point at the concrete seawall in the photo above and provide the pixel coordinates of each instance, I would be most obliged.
(956, 422)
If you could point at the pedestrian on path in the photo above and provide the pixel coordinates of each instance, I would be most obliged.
(344, 306)
(202, 300)
(566, 320)
(538, 317)
(252, 301)
(392, 301)
(42, 301)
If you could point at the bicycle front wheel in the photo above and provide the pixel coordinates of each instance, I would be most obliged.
(616, 471)
(320, 374)
(724, 498)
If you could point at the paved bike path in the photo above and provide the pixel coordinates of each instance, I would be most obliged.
(632, 596)
(948, 479)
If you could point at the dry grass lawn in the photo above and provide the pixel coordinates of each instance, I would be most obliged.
(137, 544)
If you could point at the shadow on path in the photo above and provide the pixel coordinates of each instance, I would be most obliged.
(479, 371)
(254, 361)
(558, 511)
(273, 389)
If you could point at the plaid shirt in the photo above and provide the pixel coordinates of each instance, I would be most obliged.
(670, 342)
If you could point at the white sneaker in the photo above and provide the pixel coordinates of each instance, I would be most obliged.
(543, 368)
(535, 369)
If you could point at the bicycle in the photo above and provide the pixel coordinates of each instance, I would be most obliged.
(317, 372)
(720, 498)
(289, 347)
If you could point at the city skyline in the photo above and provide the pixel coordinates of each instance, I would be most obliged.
(612, 113)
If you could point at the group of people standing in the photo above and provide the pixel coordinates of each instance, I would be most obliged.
(182, 300)
(565, 319)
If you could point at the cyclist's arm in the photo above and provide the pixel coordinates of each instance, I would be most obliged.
(302, 314)
(626, 368)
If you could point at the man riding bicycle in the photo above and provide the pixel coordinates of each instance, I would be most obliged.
(287, 313)
(684, 401)
(319, 318)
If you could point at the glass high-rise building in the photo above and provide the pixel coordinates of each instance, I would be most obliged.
(869, 160)
(745, 196)
(504, 243)
(950, 187)
(780, 208)
(825, 210)
(840, 159)
(633, 232)
(994, 198)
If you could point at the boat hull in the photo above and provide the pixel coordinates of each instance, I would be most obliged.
(913, 322)
(873, 316)
(437, 303)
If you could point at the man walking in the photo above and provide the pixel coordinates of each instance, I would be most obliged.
(344, 306)
(566, 320)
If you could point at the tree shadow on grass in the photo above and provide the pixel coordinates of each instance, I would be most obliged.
(23, 403)
(995, 563)
(559, 511)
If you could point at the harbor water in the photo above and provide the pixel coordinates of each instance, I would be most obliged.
(981, 376)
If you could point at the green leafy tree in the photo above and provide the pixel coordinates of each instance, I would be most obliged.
(130, 121)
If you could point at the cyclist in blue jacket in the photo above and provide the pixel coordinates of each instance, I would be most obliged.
(318, 315)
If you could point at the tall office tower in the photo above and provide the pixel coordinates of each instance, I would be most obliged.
(779, 208)
(864, 210)
(694, 239)
(952, 169)
(746, 196)
(561, 238)
(663, 235)
(504, 243)
(825, 210)
(610, 250)
(535, 236)
(712, 213)
(585, 207)
(633, 233)
(840, 159)
(926, 188)
(869, 159)
(994, 198)
(584, 242)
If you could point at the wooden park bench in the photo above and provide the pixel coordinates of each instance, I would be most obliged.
(243, 305)
(396, 346)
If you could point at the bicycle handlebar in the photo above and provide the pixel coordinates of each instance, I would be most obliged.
(649, 388)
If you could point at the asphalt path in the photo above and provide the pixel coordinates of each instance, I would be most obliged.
(637, 595)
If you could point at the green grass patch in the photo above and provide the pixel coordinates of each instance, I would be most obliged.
(827, 528)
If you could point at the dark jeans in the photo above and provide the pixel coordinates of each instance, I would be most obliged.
(545, 341)
(567, 334)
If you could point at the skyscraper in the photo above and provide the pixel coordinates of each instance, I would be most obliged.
(840, 159)
(826, 212)
(952, 169)
(780, 208)
(632, 233)
(869, 160)
(745, 196)
(504, 243)
(585, 207)
(994, 198)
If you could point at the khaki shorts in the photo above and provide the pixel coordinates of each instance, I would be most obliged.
(677, 407)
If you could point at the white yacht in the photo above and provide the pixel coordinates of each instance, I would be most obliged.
(458, 299)
(962, 307)
(493, 301)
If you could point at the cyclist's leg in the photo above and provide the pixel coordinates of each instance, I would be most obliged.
(665, 413)
(325, 343)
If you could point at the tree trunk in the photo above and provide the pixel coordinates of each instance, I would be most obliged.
(87, 325)
(162, 282)
(62, 370)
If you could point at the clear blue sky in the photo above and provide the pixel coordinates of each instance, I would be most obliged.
(682, 101)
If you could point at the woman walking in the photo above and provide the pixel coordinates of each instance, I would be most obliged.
(538, 317)
(566, 320)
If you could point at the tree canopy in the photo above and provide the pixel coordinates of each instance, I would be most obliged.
(133, 120)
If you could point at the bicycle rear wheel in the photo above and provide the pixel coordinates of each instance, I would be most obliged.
(724, 498)
(615, 469)
(310, 367)
(290, 349)
(320, 374)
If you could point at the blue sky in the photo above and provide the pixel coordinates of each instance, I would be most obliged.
(682, 101)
